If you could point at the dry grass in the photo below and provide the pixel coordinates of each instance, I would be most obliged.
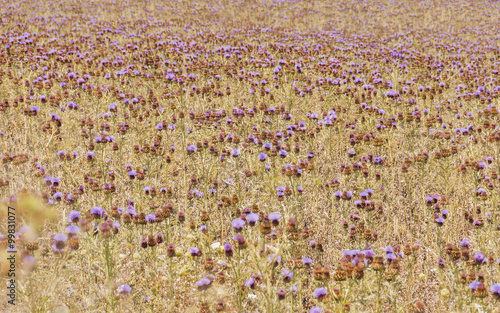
(415, 167)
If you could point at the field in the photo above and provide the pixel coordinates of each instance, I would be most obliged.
(250, 156)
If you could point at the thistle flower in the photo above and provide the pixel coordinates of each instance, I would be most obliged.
(195, 251)
(265, 227)
(191, 149)
(465, 242)
(235, 153)
(171, 251)
(252, 218)
(287, 275)
(73, 217)
(150, 218)
(203, 284)
(444, 213)
(378, 264)
(72, 230)
(250, 283)
(132, 174)
(307, 262)
(320, 293)
(228, 250)
(242, 244)
(479, 258)
(474, 285)
(390, 257)
(281, 294)
(59, 241)
(105, 230)
(124, 290)
(316, 309)
(495, 290)
(478, 289)
(160, 238)
(238, 224)
(274, 218)
(98, 212)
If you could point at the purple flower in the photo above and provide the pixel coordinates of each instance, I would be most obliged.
(191, 148)
(250, 283)
(369, 253)
(440, 221)
(307, 261)
(195, 251)
(252, 218)
(495, 289)
(131, 210)
(320, 292)
(474, 285)
(203, 284)
(391, 256)
(262, 157)
(150, 218)
(60, 237)
(124, 290)
(479, 257)
(316, 309)
(239, 239)
(238, 224)
(235, 153)
(72, 229)
(287, 274)
(429, 200)
(389, 249)
(465, 242)
(228, 249)
(97, 211)
(440, 262)
(274, 216)
(57, 196)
